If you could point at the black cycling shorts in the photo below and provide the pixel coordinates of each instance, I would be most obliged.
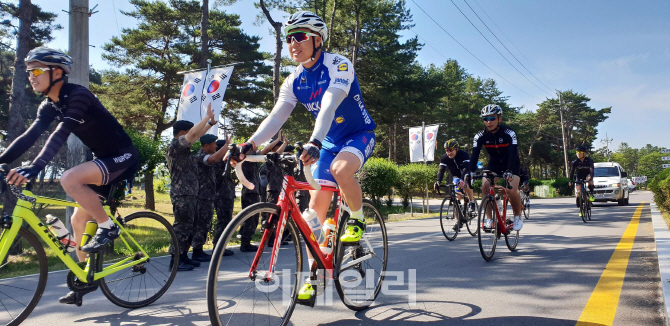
(499, 169)
(116, 169)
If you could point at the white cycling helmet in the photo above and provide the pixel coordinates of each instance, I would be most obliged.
(491, 109)
(309, 20)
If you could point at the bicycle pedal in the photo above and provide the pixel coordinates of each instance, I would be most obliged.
(349, 244)
(308, 302)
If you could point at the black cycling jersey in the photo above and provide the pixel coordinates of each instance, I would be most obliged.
(502, 149)
(456, 166)
(583, 168)
(80, 112)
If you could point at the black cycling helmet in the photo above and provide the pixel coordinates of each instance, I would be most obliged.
(581, 148)
(451, 144)
(50, 57)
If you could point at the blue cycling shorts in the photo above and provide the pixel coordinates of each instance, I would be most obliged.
(361, 144)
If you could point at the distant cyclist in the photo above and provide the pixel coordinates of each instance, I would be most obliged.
(457, 161)
(583, 166)
(501, 144)
(343, 137)
(79, 112)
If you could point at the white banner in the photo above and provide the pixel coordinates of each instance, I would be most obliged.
(430, 137)
(665, 166)
(415, 145)
(190, 98)
(641, 179)
(665, 151)
(217, 82)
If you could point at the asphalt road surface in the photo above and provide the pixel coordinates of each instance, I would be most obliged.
(557, 276)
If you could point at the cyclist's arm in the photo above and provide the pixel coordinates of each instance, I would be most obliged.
(476, 148)
(22, 143)
(286, 102)
(572, 171)
(332, 99)
(513, 152)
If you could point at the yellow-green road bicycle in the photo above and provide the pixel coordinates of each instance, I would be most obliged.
(133, 273)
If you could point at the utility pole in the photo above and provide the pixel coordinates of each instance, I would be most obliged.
(78, 50)
(607, 142)
(565, 149)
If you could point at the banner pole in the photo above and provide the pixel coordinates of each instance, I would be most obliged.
(209, 66)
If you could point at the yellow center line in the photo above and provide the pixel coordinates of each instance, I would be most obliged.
(602, 305)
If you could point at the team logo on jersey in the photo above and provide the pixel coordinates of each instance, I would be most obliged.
(342, 81)
(337, 60)
(315, 94)
(313, 106)
(303, 79)
(339, 119)
(343, 67)
(368, 149)
(500, 140)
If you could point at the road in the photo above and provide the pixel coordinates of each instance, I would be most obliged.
(552, 279)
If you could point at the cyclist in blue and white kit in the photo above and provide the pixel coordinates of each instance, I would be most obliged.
(343, 137)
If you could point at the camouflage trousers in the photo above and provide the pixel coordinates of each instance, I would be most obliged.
(224, 214)
(185, 209)
(249, 226)
(203, 222)
(302, 199)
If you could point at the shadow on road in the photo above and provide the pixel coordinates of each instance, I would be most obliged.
(163, 315)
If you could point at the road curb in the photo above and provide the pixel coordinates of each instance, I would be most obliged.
(662, 236)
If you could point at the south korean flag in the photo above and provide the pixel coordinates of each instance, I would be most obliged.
(190, 100)
(215, 89)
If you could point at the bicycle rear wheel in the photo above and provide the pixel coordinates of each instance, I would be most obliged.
(471, 217)
(488, 230)
(144, 283)
(359, 283)
(512, 239)
(449, 219)
(23, 277)
(526, 206)
(233, 297)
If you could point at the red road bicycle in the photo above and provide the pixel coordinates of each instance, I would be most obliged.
(490, 229)
(262, 288)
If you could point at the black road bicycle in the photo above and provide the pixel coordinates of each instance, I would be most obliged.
(454, 215)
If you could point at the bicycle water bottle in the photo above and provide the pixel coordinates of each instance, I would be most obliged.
(309, 216)
(499, 203)
(329, 229)
(62, 234)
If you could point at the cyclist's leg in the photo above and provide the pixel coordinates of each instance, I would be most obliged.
(75, 182)
(79, 219)
(514, 198)
(344, 167)
(578, 191)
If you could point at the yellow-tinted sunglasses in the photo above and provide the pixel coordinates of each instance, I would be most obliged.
(581, 152)
(37, 71)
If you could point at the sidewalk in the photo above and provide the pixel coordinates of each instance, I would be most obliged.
(662, 235)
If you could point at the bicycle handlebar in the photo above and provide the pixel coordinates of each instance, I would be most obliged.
(16, 190)
(490, 175)
(264, 158)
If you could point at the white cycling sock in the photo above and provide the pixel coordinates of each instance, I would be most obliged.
(107, 224)
(358, 214)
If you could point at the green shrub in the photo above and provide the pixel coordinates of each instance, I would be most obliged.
(161, 184)
(562, 185)
(660, 185)
(377, 178)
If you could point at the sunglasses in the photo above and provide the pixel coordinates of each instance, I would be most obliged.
(580, 152)
(298, 37)
(37, 71)
(450, 149)
(489, 119)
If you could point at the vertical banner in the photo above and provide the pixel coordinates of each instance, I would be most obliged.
(190, 98)
(415, 145)
(216, 84)
(430, 135)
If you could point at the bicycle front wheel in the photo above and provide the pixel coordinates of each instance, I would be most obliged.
(145, 234)
(526, 206)
(449, 219)
(234, 297)
(23, 277)
(488, 228)
(360, 268)
(582, 207)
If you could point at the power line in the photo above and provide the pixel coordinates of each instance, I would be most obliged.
(510, 41)
(495, 48)
(501, 43)
(438, 52)
(117, 21)
(472, 54)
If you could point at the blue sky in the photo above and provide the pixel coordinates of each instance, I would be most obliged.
(615, 52)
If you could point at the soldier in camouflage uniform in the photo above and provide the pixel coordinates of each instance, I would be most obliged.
(225, 196)
(205, 160)
(184, 183)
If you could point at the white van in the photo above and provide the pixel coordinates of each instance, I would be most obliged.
(611, 183)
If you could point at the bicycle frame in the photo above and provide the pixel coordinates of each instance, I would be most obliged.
(288, 205)
(501, 218)
(23, 212)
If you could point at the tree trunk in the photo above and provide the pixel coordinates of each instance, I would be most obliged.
(17, 100)
(204, 38)
(537, 135)
(278, 48)
(150, 202)
(330, 27)
(356, 33)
